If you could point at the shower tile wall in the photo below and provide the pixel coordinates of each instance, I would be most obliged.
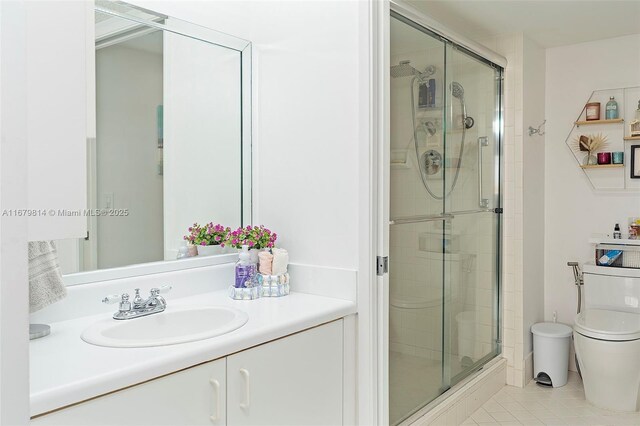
(415, 266)
(519, 368)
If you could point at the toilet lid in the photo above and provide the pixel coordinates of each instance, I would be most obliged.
(608, 325)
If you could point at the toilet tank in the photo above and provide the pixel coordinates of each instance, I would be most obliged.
(616, 289)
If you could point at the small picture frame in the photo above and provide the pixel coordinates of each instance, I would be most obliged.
(635, 161)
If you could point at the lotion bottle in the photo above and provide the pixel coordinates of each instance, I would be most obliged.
(245, 269)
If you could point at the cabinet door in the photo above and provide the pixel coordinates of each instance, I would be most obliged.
(60, 49)
(296, 380)
(195, 396)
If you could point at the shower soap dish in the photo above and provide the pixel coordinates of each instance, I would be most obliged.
(274, 285)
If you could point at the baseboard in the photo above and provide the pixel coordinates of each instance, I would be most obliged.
(456, 405)
(528, 369)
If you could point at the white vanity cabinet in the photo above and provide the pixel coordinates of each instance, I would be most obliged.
(195, 396)
(295, 380)
(292, 381)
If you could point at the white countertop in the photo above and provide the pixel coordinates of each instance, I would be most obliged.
(67, 370)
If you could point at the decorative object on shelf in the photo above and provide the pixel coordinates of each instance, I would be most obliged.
(617, 157)
(210, 239)
(583, 143)
(591, 144)
(538, 130)
(592, 111)
(634, 126)
(635, 162)
(611, 109)
(604, 158)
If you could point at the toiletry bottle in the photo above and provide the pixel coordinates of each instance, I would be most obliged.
(431, 94)
(616, 232)
(245, 269)
(183, 250)
(612, 109)
(423, 95)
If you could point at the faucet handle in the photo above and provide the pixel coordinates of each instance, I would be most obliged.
(162, 290)
(114, 298)
(137, 298)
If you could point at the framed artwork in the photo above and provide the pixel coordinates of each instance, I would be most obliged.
(635, 161)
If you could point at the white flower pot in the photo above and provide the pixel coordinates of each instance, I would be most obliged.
(210, 250)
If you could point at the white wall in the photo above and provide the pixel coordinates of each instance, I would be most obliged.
(573, 210)
(532, 194)
(307, 116)
(14, 288)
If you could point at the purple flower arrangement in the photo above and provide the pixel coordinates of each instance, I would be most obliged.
(256, 237)
(208, 235)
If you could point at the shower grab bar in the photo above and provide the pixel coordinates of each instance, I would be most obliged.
(482, 142)
(419, 219)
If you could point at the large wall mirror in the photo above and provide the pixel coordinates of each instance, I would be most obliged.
(172, 108)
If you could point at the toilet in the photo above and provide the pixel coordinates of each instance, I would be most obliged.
(607, 338)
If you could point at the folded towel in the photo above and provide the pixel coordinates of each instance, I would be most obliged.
(45, 281)
(266, 259)
(280, 261)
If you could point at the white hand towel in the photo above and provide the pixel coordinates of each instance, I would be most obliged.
(280, 261)
(45, 281)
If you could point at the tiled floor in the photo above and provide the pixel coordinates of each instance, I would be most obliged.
(537, 405)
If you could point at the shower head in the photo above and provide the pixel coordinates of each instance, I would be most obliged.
(457, 90)
(403, 69)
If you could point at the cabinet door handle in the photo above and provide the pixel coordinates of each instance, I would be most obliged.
(247, 389)
(216, 389)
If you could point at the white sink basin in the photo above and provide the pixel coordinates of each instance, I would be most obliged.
(174, 325)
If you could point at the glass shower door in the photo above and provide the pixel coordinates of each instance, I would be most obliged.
(444, 227)
(471, 236)
(415, 237)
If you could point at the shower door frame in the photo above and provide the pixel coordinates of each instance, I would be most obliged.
(380, 114)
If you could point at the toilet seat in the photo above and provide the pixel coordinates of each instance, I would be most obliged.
(608, 325)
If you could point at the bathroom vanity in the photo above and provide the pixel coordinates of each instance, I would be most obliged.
(286, 365)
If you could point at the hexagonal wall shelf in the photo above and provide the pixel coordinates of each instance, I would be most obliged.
(619, 139)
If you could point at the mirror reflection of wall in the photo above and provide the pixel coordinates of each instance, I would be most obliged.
(168, 150)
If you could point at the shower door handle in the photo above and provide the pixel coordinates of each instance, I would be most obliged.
(483, 203)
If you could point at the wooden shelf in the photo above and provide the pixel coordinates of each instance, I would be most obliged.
(583, 123)
(602, 166)
(632, 138)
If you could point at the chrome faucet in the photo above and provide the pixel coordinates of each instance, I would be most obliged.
(140, 307)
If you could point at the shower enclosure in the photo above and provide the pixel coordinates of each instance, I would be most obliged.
(444, 230)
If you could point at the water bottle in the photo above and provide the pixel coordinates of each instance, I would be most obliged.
(612, 109)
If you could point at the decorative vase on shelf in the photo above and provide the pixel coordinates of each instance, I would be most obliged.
(210, 250)
(590, 159)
